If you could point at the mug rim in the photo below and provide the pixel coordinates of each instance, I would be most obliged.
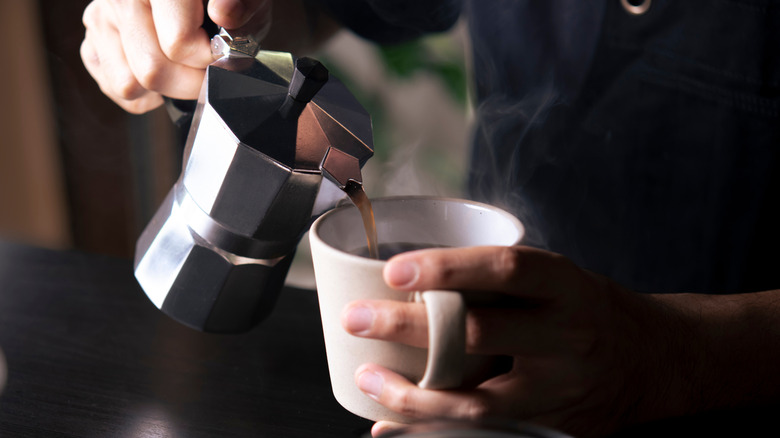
(314, 230)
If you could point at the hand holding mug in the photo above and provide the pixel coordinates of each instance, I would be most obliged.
(587, 354)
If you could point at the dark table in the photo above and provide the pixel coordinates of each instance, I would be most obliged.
(88, 355)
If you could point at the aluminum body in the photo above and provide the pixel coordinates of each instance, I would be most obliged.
(216, 253)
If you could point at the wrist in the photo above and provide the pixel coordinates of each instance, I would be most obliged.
(666, 373)
(708, 352)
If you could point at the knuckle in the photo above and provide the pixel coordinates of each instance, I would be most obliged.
(137, 106)
(132, 106)
(97, 13)
(443, 272)
(403, 402)
(151, 74)
(401, 321)
(141, 105)
(476, 334)
(88, 54)
(89, 17)
(507, 262)
(176, 46)
(474, 408)
(447, 274)
(127, 88)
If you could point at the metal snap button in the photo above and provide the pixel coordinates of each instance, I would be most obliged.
(636, 7)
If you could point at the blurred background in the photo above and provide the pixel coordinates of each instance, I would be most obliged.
(77, 172)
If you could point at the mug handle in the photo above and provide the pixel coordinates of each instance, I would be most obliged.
(446, 339)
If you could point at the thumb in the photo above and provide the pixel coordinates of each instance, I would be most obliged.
(245, 16)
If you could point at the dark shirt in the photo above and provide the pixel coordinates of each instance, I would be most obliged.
(643, 147)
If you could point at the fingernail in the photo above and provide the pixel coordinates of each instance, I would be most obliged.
(370, 383)
(359, 320)
(401, 273)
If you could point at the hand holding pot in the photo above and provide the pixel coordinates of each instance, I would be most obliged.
(140, 50)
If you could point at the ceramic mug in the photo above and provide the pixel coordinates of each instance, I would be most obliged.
(343, 276)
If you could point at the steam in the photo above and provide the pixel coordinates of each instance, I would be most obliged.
(403, 176)
(529, 58)
(504, 160)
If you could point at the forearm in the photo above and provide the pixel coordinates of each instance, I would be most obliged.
(300, 26)
(394, 21)
(717, 352)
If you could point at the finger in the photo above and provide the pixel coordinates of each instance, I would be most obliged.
(381, 427)
(517, 270)
(114, 77)
(488, 330)
(141, 105)
(102, 54)
(247, 16)
(178, 25)
(90, 57)
(508, 395)
(515, 332)
(402, 396)
(389, 320)
(151, 68)
(106, 63)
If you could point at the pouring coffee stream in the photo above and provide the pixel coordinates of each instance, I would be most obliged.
(339, 168)
(361, 201)
(275, 141)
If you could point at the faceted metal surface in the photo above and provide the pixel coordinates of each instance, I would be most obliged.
(341, 168)
(238, 87)
(217, 251)
(199, 284)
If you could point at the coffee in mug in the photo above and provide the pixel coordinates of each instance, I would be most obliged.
(388, 250)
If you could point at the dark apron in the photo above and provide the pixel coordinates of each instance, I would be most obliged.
(660, 167)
